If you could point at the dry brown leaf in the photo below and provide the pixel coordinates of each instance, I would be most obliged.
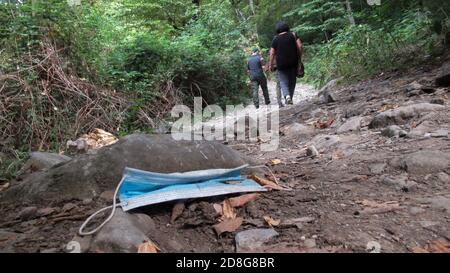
(243, 199)
(272, 222)
(228, 225)
(387, 107)
(266, 183)
(323, 124)
(228, 210)
(275, 161)
(177, 210)
(4, 187)
(436, 246)
(218, 209)
(148, 247)
(232, 182)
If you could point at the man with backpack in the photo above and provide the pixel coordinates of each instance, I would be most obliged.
(255, 70)
(287, 50)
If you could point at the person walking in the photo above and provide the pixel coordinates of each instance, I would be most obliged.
(287, 50)
(255, 70)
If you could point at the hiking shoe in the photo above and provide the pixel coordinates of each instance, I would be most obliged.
(288, 100)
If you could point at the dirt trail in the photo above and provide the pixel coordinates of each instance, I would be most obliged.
(378, 179)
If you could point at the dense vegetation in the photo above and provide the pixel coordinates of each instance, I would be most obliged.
(69, 66)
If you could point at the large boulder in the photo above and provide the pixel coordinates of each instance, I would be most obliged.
(86, 176)
(326, 94)
(402, 114)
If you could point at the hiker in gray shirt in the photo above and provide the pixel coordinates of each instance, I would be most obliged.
(255, 70)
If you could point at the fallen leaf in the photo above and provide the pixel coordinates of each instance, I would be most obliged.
(243, 199)
(272, 222)
(228, 210)
(387, 107)
(4, 187)
(275, 161)
(373, 207)
(266, 183)
(323, 124)
(148, 247)
(232, 182)
(436, 246)
(337, 155)
(228, 225)
(177, 210)
(218, 209)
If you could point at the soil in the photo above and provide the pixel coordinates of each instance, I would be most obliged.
(341, 188)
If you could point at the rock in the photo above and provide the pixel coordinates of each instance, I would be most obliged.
(401, 183)
(416, 88)
(352, 124)
(252, 239)
(443, 78)
(416, 210)
(68, 207)
(298, 130)
(443, 177)
(312, 151)
(424, 162)
(377, 168)
(27, 213)
(440, 202)
(39, 161)
(107, 196)
(402, 114)
(88, 175)
(122, 234)
(440, 133)
(45, 212)
(354, 111)
(421, 130)
(327, 97)
(437, 101)
(325, 141)
(310, 243)
(393, 131)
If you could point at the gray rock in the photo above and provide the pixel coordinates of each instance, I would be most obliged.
(327, 97)
(39, 161)
(352, 124)
(299, 130)
(443, 78)
(312, 151)
(443, 177)
(402, 114)
(377, 168)
(68, 207)
(27, 213)
(325, 94)
(401, 183)
(424, 162)
(416, 210)
(252, 239)
(124, 233)
(421, 130)
(325, 141)
(437, 101)
(440, 133)
(440, 202)
(393, 131)
(310, 243)
(87, 175)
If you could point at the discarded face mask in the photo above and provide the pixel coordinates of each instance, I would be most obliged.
(141, 188)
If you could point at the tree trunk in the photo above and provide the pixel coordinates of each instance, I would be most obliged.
(252, 9)
(351, 18)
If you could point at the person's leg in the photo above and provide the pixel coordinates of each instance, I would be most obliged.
(255, 89)
(278, 88)
(284, 82)
(292, 82)
(265, 90)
